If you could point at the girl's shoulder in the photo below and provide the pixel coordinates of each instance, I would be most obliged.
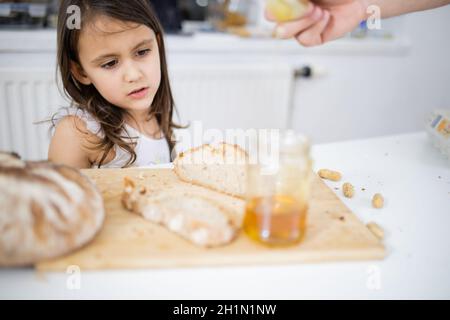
(76, 132)
(88, 122)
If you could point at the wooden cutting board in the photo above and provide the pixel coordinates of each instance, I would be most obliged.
(129, 241)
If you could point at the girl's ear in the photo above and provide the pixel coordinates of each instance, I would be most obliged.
(79, 74)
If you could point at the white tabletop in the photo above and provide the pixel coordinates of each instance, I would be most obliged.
(415, 180)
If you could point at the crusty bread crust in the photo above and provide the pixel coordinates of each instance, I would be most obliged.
(46, 210)
(239, 153)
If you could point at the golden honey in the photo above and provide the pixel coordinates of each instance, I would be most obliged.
(276, 220)
(278, 190)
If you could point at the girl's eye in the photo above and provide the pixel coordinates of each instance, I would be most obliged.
(109, 64)
(143, 52)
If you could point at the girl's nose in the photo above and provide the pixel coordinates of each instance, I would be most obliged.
(132, 73)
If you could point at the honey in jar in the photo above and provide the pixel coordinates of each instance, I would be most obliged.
(278, 193)
(276, 220)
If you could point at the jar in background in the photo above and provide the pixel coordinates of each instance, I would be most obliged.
(278, 190)
(226, 14)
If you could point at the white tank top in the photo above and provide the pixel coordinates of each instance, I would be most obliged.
(149, 151)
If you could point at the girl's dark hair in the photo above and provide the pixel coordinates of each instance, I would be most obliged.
(86, 97)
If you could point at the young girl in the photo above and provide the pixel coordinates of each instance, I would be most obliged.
(113, 68)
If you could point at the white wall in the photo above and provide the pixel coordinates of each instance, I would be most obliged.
(372, 95)
(368, 91)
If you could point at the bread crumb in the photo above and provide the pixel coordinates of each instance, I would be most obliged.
(141, 176)
(128, 182)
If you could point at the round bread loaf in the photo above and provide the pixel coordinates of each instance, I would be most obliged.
(46, 210)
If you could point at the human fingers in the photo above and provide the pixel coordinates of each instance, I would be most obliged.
(290, 29)
(313, 35)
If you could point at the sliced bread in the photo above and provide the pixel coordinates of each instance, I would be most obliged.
(219, 167)
(196, 218)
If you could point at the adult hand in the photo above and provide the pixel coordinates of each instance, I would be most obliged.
(324, 20)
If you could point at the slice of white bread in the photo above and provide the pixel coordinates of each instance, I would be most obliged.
(193, 216)
(219, 167)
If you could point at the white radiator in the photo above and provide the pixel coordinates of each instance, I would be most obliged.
(27, 96)
(221, 96)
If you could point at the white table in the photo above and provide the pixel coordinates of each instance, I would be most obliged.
(415, 180)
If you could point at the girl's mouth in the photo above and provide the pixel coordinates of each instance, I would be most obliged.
(139, 94)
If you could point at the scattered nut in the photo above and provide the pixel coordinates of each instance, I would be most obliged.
(329, 174)
(376, 230)
(348, 190)
(377, 201)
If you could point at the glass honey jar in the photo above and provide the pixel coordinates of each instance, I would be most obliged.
(278, 190)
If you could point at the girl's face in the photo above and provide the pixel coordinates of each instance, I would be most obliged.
(118, 59)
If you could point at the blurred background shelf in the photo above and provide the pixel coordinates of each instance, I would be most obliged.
(360, 87)
(44, 40)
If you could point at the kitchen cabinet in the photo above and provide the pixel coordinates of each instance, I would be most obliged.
(230, 82)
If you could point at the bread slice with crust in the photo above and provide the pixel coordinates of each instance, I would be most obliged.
(219, 167)
(192, 215)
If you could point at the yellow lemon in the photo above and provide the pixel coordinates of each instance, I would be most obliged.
(285, 10)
